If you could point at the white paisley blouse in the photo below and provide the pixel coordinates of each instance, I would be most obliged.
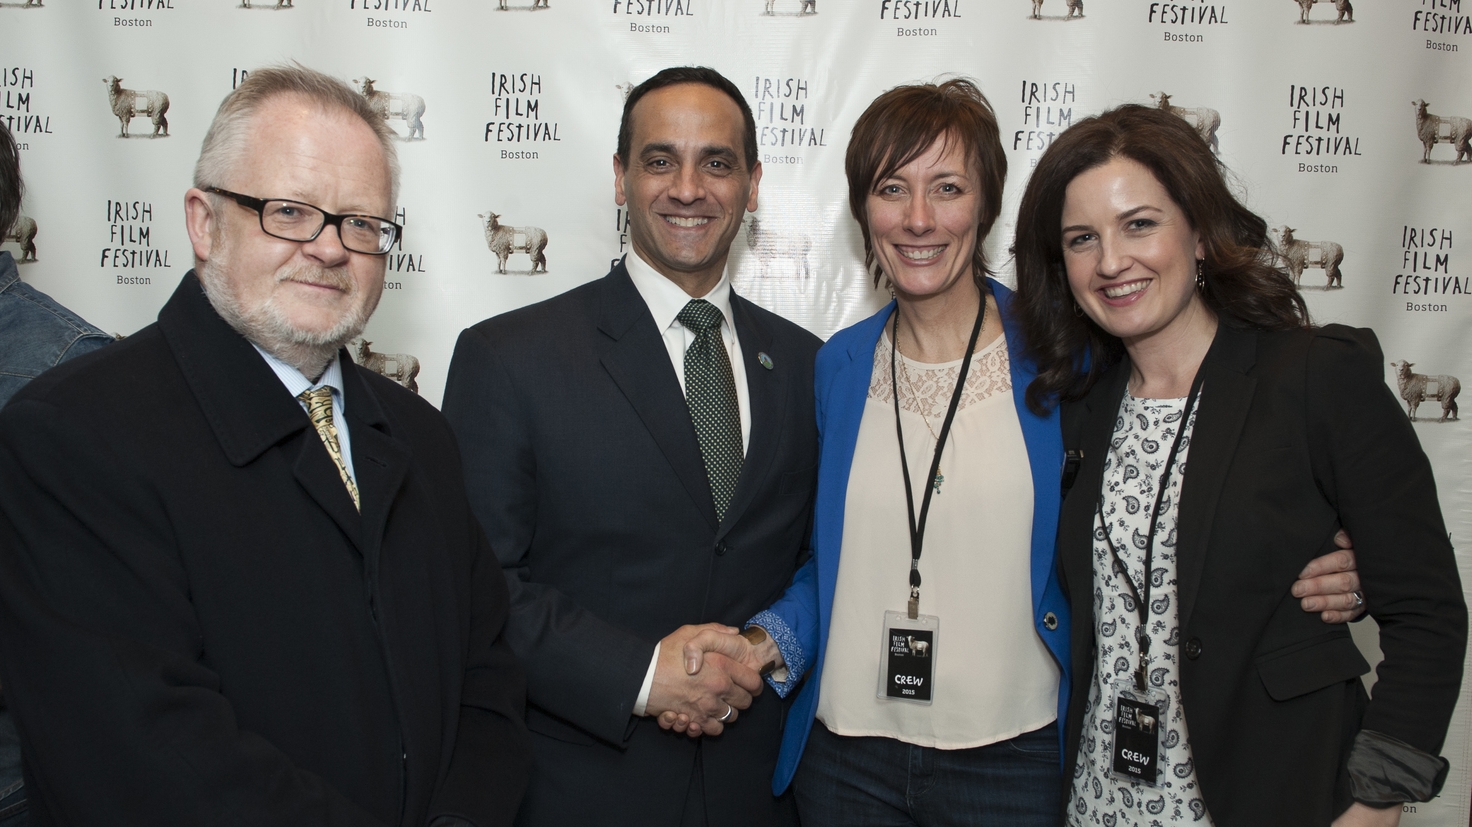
(1143, 433)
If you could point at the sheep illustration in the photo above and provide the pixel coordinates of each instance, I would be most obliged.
(396, 367)
(127, 105)
(918, 648)
(503, 241)
(407, 106)
(1443, 129)
(536, 4)
(1416, 388)
(1299, 254)
(767, 245)
(24, 234)
(808, 7)
(1206, 121)
(280, 4)
(1075, 7)
(1346, 11)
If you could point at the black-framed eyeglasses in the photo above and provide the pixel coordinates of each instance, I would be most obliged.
(296, 221)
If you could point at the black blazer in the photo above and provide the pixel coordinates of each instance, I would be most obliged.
(1296, 436)
(196, 626)
(583, 466)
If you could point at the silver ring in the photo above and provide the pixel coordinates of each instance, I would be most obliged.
(729, 711)
(1359, 599)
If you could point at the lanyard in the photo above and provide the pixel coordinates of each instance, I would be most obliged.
(1142, 606)
(917, 528)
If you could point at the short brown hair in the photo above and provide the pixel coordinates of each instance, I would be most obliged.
(901, 124)
(1242, 278)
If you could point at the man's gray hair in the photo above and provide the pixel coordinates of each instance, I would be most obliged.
(225, 142)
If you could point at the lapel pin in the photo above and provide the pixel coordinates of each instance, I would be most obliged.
(765, 360)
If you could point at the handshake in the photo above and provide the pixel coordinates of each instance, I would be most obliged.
(706, 674)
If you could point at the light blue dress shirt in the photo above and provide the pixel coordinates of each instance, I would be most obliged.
(296, 384)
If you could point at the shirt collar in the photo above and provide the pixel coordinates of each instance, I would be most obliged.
(665, 298)
(296, 383)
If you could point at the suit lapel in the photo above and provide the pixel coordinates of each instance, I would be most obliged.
(1101, 409)
(380, 461)
(1226, 397)
(768, 392)
(248, 408)
(636, 359)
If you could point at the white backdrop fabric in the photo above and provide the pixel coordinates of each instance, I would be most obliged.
(512, 107)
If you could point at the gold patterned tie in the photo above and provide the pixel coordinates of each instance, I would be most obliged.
(319, 409)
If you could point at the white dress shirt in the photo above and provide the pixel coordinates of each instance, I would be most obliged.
(296, 383)
(665, 300)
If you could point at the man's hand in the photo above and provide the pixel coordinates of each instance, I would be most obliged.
(1330, 584)
(702, 696)
(1358, 815)
(726, 644)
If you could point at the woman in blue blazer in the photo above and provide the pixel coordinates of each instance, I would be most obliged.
(925, 729)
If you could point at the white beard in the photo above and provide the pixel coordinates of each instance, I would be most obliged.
(268, 327)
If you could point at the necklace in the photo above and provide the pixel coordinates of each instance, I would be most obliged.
(919, 406)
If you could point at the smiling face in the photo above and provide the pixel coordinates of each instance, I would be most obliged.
(923, 221)
(299, 301)
(686, 184)
(1131, 255)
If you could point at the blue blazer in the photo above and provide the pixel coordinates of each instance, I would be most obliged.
(799, 620)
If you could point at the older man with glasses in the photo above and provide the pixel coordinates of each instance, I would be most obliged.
(239, 578)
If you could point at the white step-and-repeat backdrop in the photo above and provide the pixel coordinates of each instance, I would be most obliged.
(1347, 128)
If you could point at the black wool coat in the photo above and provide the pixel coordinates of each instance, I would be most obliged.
(197, 627)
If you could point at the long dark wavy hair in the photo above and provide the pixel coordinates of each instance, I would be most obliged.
(1244, 280)
(901, 125)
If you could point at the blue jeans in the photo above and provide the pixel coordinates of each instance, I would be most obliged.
(881, 782)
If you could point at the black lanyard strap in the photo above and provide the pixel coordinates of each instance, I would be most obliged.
(1142, 604)
(917, 528)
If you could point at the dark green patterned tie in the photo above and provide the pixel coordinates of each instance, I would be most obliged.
(710, 391)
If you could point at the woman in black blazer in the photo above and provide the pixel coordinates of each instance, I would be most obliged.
(1223, 441)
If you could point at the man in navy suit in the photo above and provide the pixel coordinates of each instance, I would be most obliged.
(641, 452)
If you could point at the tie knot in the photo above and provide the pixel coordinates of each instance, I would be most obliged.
(700, 316)
(317, 397)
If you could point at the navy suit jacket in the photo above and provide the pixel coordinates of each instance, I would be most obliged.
(584, 468)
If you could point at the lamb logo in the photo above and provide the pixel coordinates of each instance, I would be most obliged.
(395, 367)
(1443, 129)
(918, 648)
(1346, 11)
(1416, 388)
(536, 4)
(280, 4)
(503, 241)
(28, 4)
(1206, 121)
(1075, 9)
(769, 246)
(1322, 255)
(808, 7)
(127, 105)
(24, 234)
(407, 106)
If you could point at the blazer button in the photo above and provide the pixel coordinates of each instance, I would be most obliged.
(1050, 621)
(1193, 648)
(721, 549)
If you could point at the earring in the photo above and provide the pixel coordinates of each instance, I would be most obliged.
(1201, 275)
(1078, 311)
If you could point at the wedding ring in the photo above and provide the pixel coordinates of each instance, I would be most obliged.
(1359, 599)
(729, 711)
